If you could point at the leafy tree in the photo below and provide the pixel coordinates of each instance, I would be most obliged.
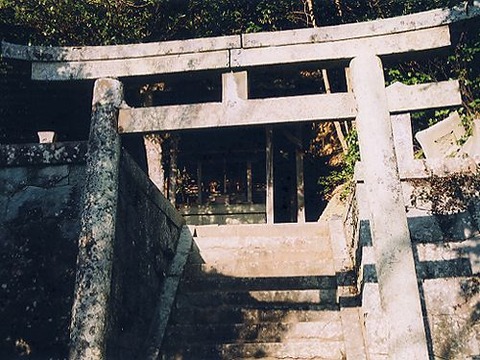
(103, 22)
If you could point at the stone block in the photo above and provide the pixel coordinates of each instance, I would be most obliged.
(12, 179)
(3, 206)
(235, 87)
(403, 139)
(469, 248)
(374, 323)
(441, 139)
(76, 176)
(49, 176)
(42, 202)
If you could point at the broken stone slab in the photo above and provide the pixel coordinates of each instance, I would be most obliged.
(441, 139)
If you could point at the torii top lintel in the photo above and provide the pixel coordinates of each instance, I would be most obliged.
(398, 35)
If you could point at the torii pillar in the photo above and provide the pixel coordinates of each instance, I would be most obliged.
(397, 279)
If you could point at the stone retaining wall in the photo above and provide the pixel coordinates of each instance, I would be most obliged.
(148, 229)
(39, 225)
(41, 188)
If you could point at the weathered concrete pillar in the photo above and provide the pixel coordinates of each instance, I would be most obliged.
(395, 265)
(269, 172)
(95, 256)
(153, 149)
(199, 183)
(249, 182)
(299, 155)
(234, 87)
(172, 177)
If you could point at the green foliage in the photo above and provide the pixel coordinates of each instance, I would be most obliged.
(461, 63)
(344, 174)
(104, 22)
(67, 22)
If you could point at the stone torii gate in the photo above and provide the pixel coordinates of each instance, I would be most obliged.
(361, 45)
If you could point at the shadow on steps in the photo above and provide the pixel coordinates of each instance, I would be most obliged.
(226, 317)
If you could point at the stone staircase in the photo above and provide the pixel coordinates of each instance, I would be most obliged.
(262, 292)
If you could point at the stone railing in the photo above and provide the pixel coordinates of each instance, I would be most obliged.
(129, 236)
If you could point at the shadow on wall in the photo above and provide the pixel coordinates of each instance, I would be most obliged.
(39, 226)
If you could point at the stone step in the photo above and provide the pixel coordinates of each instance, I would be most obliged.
(271, 254)
(353, 333)
(293, 241)
(311, 350)
(217, 298)
(316, 229)
(266, 268)
(225, 314)
(261, 332)
(217, 282)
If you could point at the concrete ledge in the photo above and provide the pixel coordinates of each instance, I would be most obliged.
(241, 112)
(396, 43)
(216, 209)
(246, 112)
(398, 24)
(112, 52)
(131, 66)
(407, 98)
(424, 168)
(43, 154)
